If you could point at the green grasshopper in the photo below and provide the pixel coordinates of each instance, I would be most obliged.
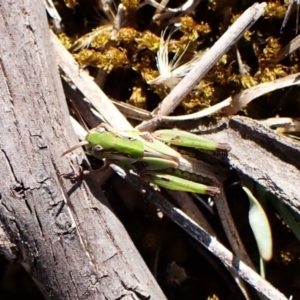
(149, 155)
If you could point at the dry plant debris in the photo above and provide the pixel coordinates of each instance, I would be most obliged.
(134, 47)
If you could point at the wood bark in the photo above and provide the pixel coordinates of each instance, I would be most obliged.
(64, 234)
(268, 158)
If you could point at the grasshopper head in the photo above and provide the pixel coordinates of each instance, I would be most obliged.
(105, 139)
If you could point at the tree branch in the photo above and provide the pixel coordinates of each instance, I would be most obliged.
(70, 242)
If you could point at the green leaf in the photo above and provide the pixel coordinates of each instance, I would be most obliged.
(260, 227)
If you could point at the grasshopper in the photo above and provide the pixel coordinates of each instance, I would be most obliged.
(149, 155)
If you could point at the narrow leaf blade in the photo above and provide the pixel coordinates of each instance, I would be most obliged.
(260, 227)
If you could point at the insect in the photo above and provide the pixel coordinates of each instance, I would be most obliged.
(148, 155)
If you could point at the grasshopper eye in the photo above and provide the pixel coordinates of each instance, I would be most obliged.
(97, 149)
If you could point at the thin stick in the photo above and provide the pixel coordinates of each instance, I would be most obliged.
(290, 47)
(209, 59)
(54, 15)
(233, 104)
(287, 14)
(241, 99)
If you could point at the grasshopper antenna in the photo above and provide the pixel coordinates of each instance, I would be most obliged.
(80, 144)
(79, 116)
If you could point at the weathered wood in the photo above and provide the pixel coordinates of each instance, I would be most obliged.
(70, 242)
(266, 157)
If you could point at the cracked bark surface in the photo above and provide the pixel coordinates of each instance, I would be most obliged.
(270, 160)
(70, 242)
